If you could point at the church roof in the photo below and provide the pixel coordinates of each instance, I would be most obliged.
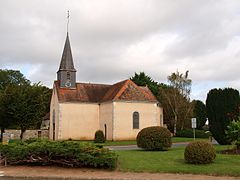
(67, 59)
(122, 91)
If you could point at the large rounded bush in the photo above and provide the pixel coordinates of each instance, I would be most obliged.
(99, 137)
(199, 152)
(154, 138)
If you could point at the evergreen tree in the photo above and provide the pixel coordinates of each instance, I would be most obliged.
(143, 79)
(222, 108)
(200, 113)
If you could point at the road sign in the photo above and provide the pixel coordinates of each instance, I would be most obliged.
(194, 123)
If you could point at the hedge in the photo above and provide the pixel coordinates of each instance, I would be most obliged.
(60, 153)
(189, 133)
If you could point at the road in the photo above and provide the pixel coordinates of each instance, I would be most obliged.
(134, 147)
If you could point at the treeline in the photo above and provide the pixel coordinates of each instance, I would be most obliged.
(174, 97)
(22, 103)
(222, 105)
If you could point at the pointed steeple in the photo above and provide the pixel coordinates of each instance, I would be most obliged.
(67, 73)
(67, 59)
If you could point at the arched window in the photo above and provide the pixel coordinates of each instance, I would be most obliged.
(135, 120)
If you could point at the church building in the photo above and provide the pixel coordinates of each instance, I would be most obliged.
(78, 110)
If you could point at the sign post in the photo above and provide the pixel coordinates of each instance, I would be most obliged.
(194, 126)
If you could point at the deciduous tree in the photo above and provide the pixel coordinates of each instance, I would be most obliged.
(8, 78)
(176, 99)
(28, 105)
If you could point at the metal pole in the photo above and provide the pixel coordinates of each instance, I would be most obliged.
(194, 134)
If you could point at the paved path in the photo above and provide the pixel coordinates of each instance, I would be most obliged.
(58, 173)
(134, 147)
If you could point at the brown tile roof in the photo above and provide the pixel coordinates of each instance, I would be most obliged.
(122, 91)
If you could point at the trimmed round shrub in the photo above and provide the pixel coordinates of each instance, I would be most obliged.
(199, 152)
(99, 137)
(154, 138)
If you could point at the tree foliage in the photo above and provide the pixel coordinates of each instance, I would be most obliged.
(28, 105)
(143, 79)
(175, 99)
(8, 78)
(233, 133)
(22, 105)
(200, 113)
(222, 108)
(11, 77)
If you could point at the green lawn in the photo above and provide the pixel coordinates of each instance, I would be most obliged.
(133, 142)
(172, 161)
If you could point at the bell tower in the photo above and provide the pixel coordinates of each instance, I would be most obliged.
(66, 74)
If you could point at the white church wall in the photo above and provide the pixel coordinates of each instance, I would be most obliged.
(78, 120)
(54, 109)
(105, 117)
(149, 115)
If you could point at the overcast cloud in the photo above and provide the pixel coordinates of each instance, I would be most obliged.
(112, 39)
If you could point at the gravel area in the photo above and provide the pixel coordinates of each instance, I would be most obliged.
(58, 173)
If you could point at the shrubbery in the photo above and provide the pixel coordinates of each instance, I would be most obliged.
(233, 133)
(189, 133)
(99, 137)
(199, 152)
(154, 138)
(61, 153)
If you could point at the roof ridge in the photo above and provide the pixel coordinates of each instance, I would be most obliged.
(146, 87)
(93, 83)
(138, 88)
(122, 89)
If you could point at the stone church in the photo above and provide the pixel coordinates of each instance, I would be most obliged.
(78, 110)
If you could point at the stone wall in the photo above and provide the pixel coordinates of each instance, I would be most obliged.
(28, 133)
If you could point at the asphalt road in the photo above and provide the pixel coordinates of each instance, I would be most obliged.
(134, 147)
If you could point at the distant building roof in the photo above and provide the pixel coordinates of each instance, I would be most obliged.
(86, 92)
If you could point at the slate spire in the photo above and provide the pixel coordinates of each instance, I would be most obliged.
(67, 73)
(67, 59)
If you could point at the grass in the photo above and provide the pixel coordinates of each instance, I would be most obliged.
(172, 161)
(133, 142)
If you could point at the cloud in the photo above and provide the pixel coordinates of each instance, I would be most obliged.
(112, 39)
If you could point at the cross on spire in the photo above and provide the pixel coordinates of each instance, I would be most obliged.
(68, 16)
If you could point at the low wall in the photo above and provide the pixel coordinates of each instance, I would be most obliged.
(28, 133)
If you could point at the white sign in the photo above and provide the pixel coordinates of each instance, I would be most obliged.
(194, 123)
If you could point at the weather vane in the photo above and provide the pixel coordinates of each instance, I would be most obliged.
(68, 16)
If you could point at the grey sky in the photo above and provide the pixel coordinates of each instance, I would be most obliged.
(112, 39)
